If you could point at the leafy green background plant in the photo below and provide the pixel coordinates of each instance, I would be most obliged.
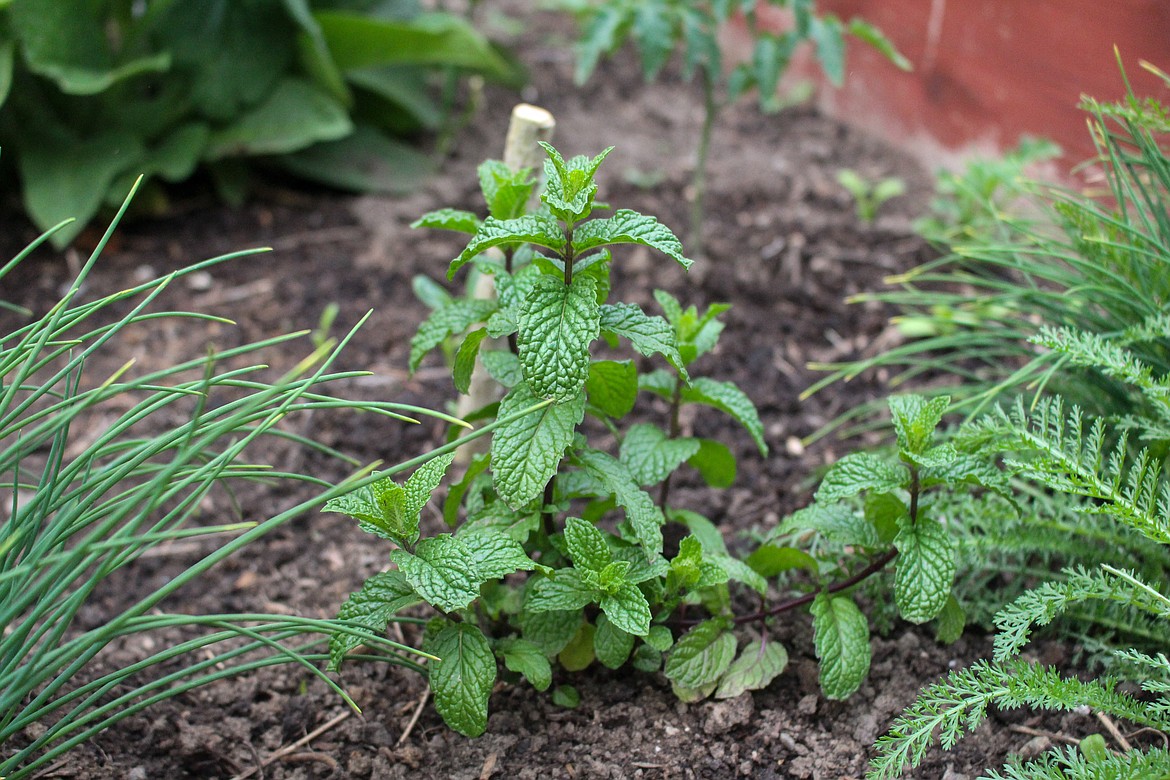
(94, 94)
(693, 29)
(869, 196)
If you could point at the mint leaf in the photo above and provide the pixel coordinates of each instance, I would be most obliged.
(524, 657)
(926, 569)
(768, 560)
(418, 488)
(758, 664)
(566, 696)
(578, 654)
(651, 456)
(465, 359)
(442, 570)
(837, 522)
(858, 472)
(526, 452)
(496, 555)
(379, 510)
(612, 386)
(532, 229)
(556, 326)
(739, 571)
(565, 590)
(455, 317)
(380, 598)
(728, 398)
(627, 609)
(648, 334)
(951, 622)
(497, 518)
(611, 645)
(570, 188)
(701, 656)
(462, 678)
(715, 463)
(505, 191)
(687, 567)
(503, 366)
(629, 227)
(653, 32)
(644, 515)
(915, 419)
(550, 631)
(659, 638)
(586, 545)
(448, 219)
(841, 640)
(703, 529)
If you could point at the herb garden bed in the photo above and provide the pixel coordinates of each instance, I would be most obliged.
(785, 248)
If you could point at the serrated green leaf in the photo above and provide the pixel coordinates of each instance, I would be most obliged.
(701, 656)
(837, 522)
(465, 359)
(653, 31)
(629, 227)
(740, 572)
(703, 529)
(462, 679)
(364, 506)
(455, 317)
(651, 456)
(449, 219)
(643, 514)
(552, 630)
(422, 483)
(648, 334)
(496, 555)
(455, 495)
(557, 324)
(659, 638)
(524, 657)
(686, 567)
(612, 386)
(951, 622)
(578, 653)
(885, 511)
(380, 598)
(505, 191)
(768, 560)
(499, 519)
(586, 545)
(627, 609)
(715, 463)
(841, 639)
(503, 366)
(526, 452)
(569, 186)
(858, 472)
(728, 398)
(758, 664)
(925, 569)
(492, 232)
(611, 645)
(691, 695)
(442, 571)
(915, 419)
(566, 696)
(432, 294)
(600, 37)
(565, 590)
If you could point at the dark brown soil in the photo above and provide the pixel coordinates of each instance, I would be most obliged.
(785, 248)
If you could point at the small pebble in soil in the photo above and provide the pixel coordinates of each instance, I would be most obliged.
(199, 281)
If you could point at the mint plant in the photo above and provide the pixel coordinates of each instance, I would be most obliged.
(556, 556)
(659, 28)
(868, 196)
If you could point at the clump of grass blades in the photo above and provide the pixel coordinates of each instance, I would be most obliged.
(83, 506)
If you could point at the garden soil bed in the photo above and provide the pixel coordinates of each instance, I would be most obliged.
(784, 248)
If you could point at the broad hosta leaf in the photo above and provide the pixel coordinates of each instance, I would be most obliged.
(586, 545)
(550, 631)
(462, 679)
(701, 656)
(525, 453)
(556, 327)
(456, 317)
(729, 399)
(951, 622)
(611, 645)
(915, 419)
(926, 569)
(644, 515)
(838, 522)
(612, 386)
(715, 463)
(627, 609)
(651, 457)
(366, 160)
(629, 227)
(841, 639)
(442, 570)
(465, 359)
(295, 115)
(648, 334)
(496, 555)
(448, 219)
(758, 664)
(858, 472)
(565, 590)
(533, 229)
(380, 598)
(524, 657)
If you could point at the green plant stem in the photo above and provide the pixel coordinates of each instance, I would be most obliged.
(672, 433)
(702, 154)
